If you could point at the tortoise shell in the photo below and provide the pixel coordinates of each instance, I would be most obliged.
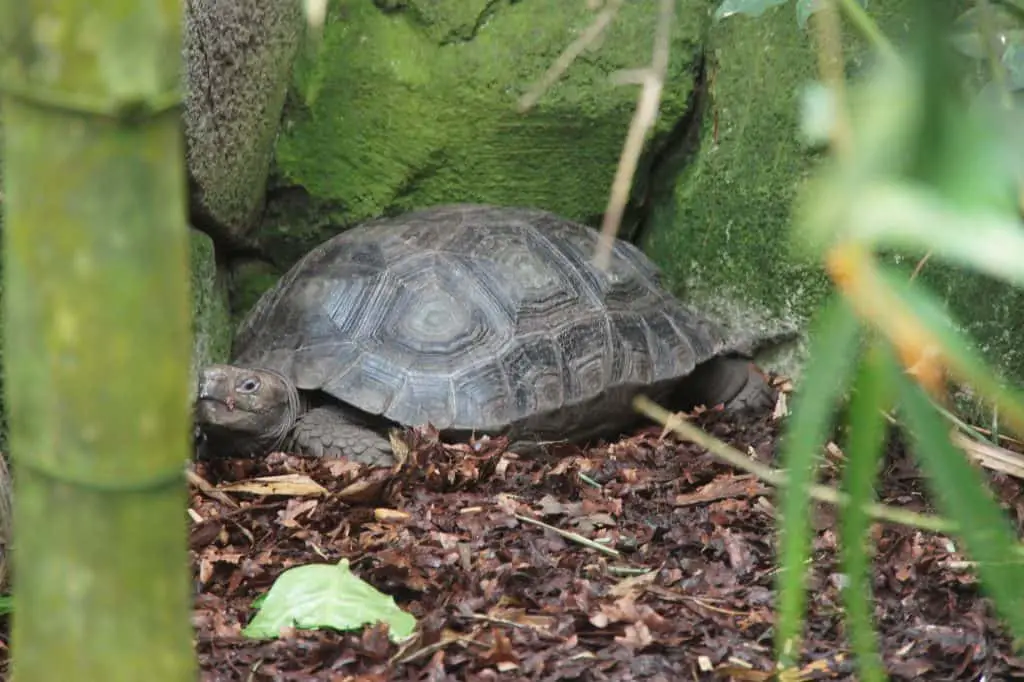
(476, 318)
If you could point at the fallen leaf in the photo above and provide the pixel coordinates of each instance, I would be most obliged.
(288, 485)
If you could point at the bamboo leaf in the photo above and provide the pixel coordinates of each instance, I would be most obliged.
(967, 363)
(834, 341)
(867, 428)
(917, 220)
(961, 494)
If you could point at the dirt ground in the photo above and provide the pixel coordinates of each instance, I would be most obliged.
(689, 596)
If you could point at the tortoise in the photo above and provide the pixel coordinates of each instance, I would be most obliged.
(475, 319)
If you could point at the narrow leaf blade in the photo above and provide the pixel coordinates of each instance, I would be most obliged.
(961, 494)
(834, 342)
(867, 427)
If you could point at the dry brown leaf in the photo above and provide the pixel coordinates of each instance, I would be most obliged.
(288, 485)
(390, 515)
(635, 586)
(723, 487)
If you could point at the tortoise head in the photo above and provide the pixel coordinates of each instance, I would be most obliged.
(245, 409)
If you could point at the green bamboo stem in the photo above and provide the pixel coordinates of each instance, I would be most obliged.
(96, 329)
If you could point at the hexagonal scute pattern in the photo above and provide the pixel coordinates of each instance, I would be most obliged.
(475, 317)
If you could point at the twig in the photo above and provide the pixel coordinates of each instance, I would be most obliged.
(207, 489)
(643, 120)
(575, 537)
(869, 29)
(541, 631)
(920, 265)
(601, 22)
(822, 493)
(828, 31)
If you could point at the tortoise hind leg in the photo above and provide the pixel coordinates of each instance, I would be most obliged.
(732, 381)
(331, 431)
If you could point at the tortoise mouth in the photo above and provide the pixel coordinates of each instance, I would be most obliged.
(210, 410)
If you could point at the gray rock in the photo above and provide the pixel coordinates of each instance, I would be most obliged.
(238, 56)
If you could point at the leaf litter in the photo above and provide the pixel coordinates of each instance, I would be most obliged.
(642, 559)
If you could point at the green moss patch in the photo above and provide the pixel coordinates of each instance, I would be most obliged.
(411, 104)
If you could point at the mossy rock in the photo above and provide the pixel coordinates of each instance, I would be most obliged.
(404, 105)
(722, 233)
(211, 318)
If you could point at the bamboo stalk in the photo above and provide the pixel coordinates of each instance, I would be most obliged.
(97, 339)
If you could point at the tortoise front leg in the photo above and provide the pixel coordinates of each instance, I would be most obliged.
(330, 431)
(730, 380)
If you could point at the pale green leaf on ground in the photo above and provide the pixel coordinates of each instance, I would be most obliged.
(321, 596)
(753, 8)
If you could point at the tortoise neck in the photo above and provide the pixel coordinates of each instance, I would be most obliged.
(275, 439)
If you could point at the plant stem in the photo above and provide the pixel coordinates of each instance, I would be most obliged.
(869, 29)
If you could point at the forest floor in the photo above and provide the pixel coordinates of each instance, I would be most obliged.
(688, 596)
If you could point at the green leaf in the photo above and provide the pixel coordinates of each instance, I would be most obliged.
(961, 494)
(834, 342)
(326, 596)
(817, 114)
(753, 8)
(930, 312)
(910, 127)
(805, 8)
(918, 219)
(867, 429)
(1013, 60)
(968, 38)
(1007, 122)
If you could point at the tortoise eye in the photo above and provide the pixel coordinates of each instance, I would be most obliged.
(249, 385)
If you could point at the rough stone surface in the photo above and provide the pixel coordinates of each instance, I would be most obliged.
(722, 234)
(411, 104)
(238, 56)
(211, 320)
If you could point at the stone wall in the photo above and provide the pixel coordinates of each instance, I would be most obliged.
(721, 225)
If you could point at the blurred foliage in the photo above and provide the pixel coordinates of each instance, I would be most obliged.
(755, 8)
(926, 161)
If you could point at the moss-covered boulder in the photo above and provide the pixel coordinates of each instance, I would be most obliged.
(211, 319)
(722, 231)
(412, 103)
